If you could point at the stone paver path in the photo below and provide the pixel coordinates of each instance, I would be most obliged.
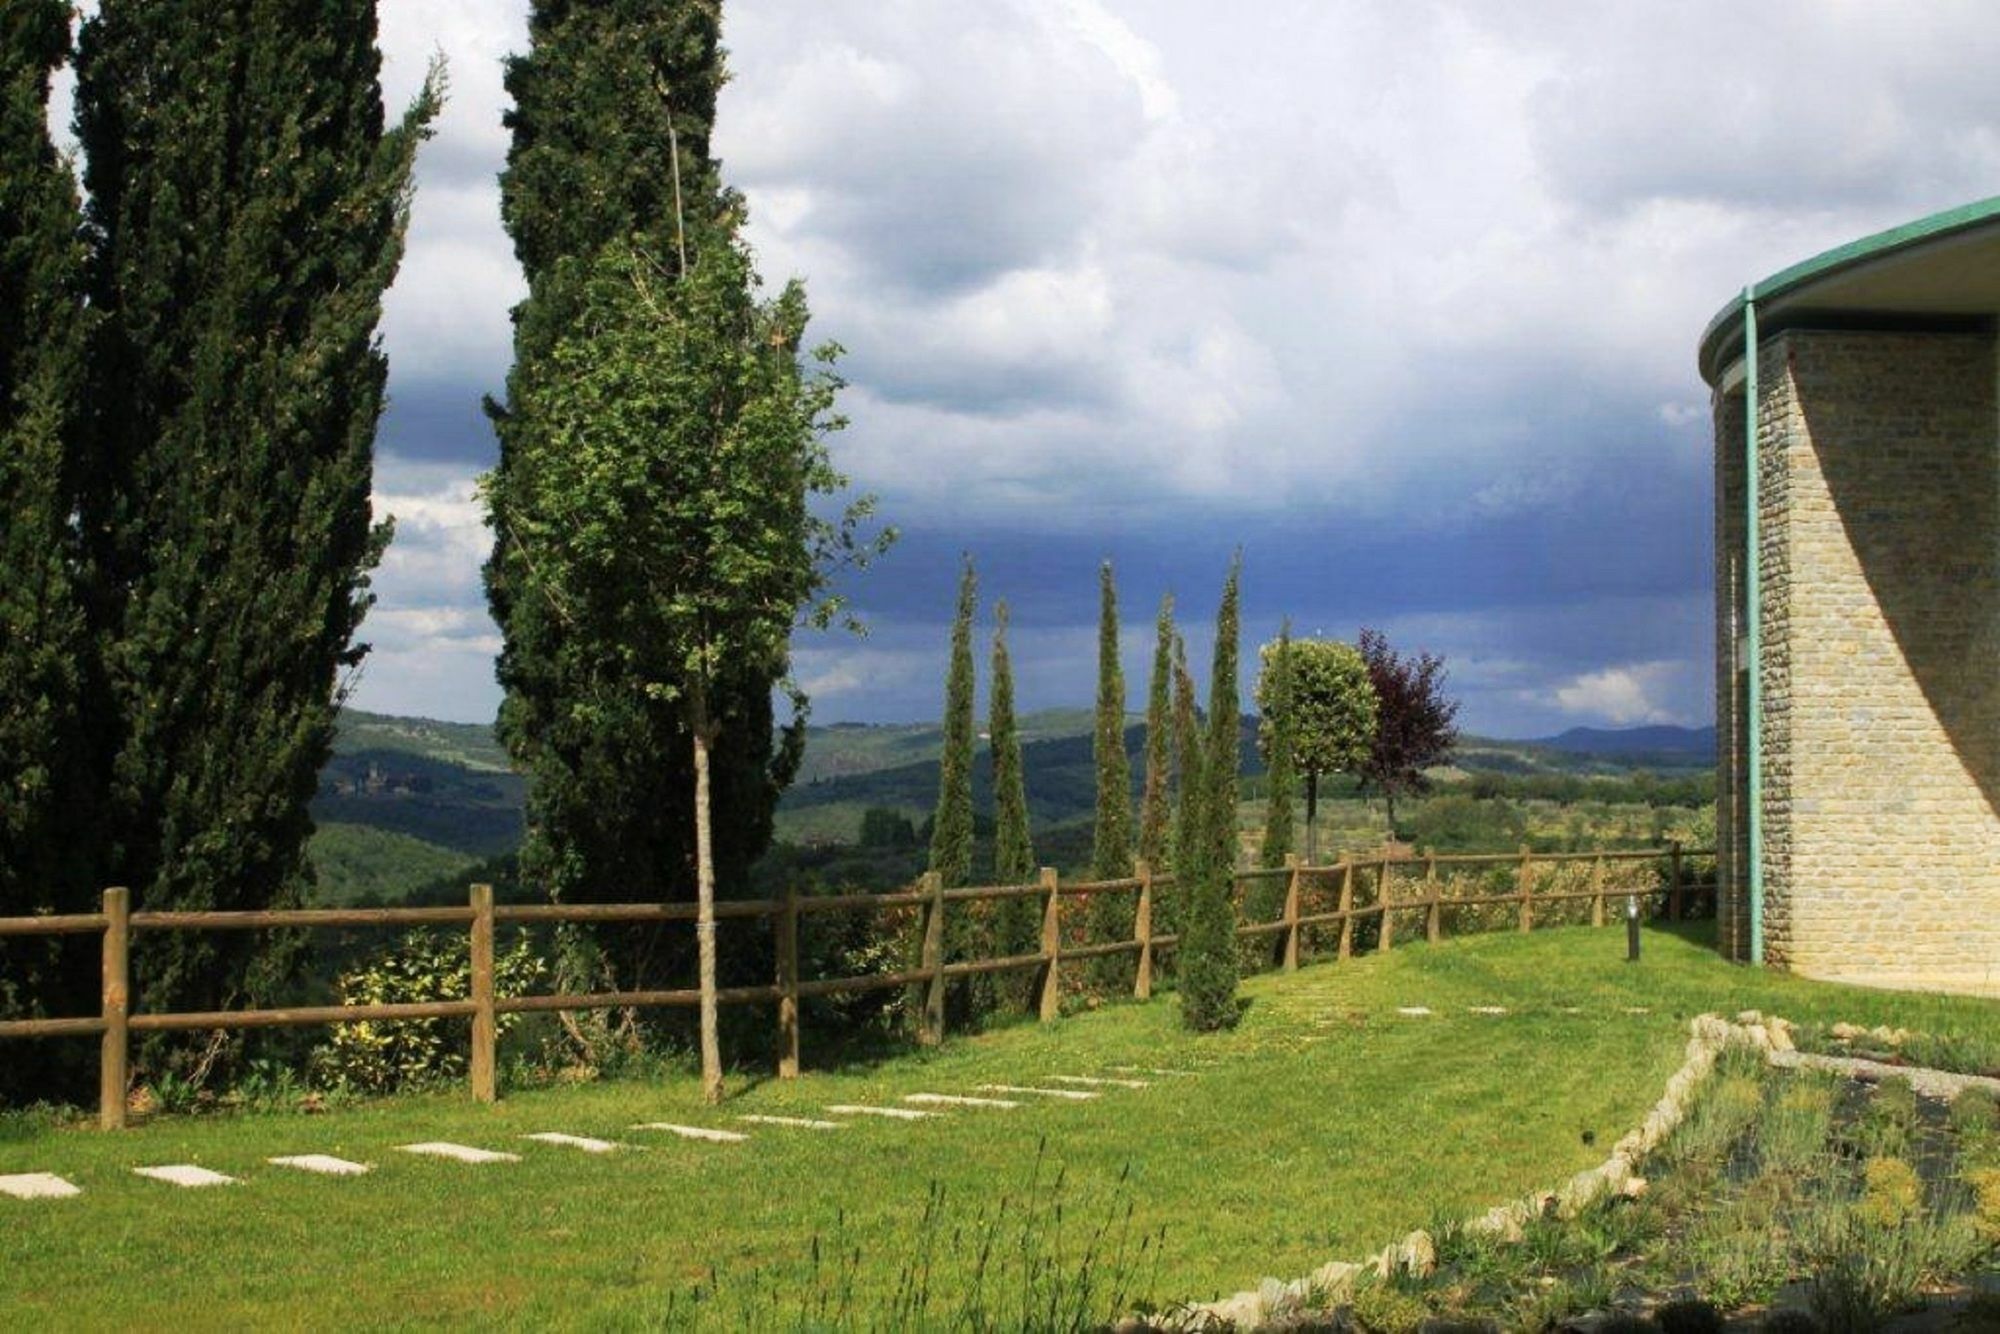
(958, 1100)
(459, 1153)
(708, 1133)
(893, 1113)
(1068, 1095)
(185, 1174)
(1098, 1080)
(323, 1164)
(584, 1142)
(1414, 1011)
(37, 1186)
(796, 1122)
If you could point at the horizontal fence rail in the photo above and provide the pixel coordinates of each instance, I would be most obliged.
(1396, 885)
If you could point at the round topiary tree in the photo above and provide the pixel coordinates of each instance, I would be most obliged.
(1331, 712)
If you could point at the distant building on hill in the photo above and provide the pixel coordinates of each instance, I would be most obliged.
(1858, 608)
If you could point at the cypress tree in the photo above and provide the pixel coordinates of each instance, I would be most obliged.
(614, 103)
(1208, 965)
(1265, 898)
(1111, 837)
(951, 827)
(1280, 774)
(247, 209)
(1111, 834)
(1155, 809)
(1185, 841)
(46, 854)
(1015, 920)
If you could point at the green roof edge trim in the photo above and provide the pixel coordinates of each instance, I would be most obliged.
(1729, 319)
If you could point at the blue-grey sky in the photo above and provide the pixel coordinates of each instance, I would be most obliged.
(1400, 296)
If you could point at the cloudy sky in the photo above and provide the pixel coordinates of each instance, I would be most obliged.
(1400, 296)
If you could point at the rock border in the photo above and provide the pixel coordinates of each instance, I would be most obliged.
(1416, 1254)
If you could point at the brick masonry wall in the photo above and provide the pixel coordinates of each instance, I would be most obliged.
(1879, 465)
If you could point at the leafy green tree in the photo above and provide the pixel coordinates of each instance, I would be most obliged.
(1208, 966)
(1155, 808)
(951, 827)
(1332, 712)
(882, 827)
(1415, 725)
(1110, 915)
(247, 205)
(47, 859)
(613, 104)
(673, 523)
(1015, 920)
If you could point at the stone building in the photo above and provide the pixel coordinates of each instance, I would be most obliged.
(1858, 609)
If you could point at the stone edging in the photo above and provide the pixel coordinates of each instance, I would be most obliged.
(1275, 1299)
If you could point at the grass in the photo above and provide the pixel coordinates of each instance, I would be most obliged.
(1323, 1126)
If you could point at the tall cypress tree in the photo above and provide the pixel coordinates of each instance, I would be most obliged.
(1155, 809)
(1208, 964)
(1281, 777)
(951, 827)
(1015, 920)
(247, 209)
(47, 861)
(614, 103)
(1111, 834)
(1186, 833)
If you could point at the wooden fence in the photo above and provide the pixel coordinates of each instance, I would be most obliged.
(1361, 888)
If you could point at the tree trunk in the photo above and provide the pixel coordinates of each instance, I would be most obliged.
(1312, 816)
(704, 928)
(1389, 801)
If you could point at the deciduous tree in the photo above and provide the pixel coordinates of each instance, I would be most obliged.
(1415, 723)
(1333, 717)
(670, 524)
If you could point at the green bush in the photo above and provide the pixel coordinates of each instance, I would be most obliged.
(424, 966)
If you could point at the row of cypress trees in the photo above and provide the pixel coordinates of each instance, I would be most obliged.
(1187, 805)
(190, 382)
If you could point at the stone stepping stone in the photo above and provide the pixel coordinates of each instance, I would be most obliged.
(959, 1100)
(324, 1164)
(37, 1186)
(460, 1153)
(185, 1174)
(584, 1142)
(1638, 1009)
(893, 1113)
(694, 1132)
(1071, 1095)
(1099, 1080)
(796, 1122)
(1151, 1070)
(1486, 1009)
(1414, 1011)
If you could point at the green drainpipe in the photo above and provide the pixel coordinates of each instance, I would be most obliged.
(1753, 600)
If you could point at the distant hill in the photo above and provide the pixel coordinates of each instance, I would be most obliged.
(1699, 741)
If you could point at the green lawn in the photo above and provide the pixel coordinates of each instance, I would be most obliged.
(1325, 1125)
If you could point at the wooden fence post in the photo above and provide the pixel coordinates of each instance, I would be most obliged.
(1142, 928)
(1388, 936)
(1346, 908)
(1526, 886)
(1674, 881)
(1293, 863)
(1597, 890)
(485, 1026)
(788, 985)
(1051, 999)
(930, 1025)
(1434, 919)
(112, 1069)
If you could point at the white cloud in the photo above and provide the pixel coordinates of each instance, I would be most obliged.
(1622, 696)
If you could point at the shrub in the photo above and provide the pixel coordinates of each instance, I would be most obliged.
(424, 966)
(1986, 1202)
(1891, 1193)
